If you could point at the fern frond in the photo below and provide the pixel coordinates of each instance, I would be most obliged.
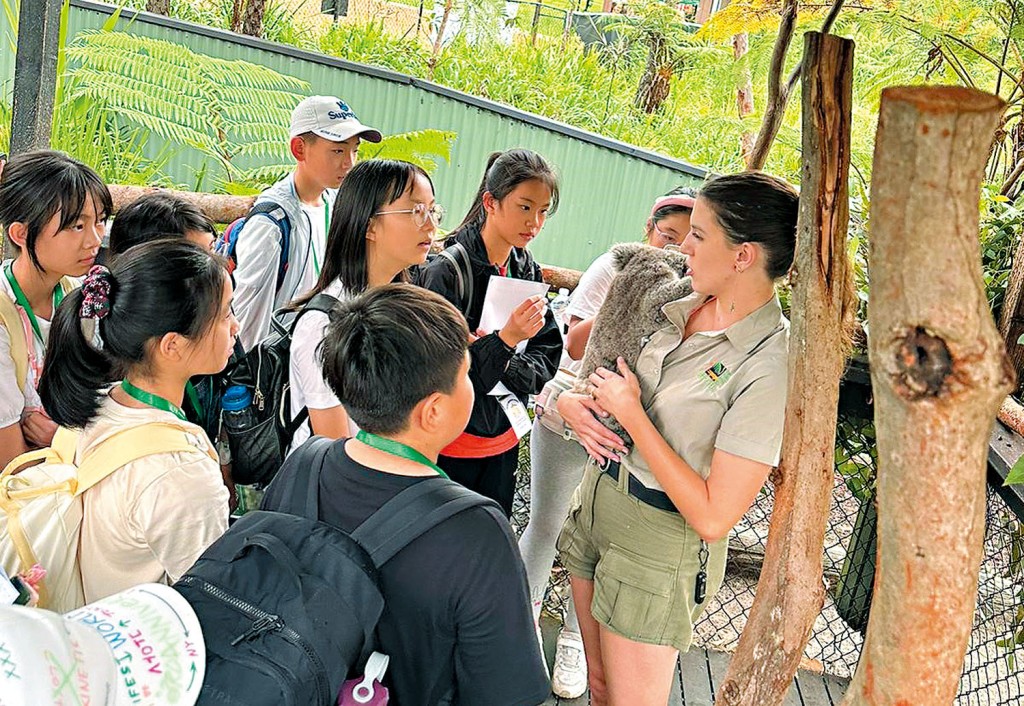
(424, 148)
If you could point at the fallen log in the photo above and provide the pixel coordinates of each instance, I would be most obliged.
(219, 208)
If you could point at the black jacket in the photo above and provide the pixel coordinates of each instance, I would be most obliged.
(491, 360)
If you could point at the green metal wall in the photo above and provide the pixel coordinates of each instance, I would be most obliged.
(607, 186)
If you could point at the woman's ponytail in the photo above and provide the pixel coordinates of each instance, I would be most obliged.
(75, 373)
(476, 215)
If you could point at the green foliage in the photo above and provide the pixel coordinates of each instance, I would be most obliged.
(1016, 474)
(372, 44)
(424, 148)
(1001, 225)
(856, 457)
(225, 109)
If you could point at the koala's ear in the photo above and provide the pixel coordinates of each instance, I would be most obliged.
(676, 260)
(624, 252)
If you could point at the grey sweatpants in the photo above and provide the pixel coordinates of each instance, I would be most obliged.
(556, 467)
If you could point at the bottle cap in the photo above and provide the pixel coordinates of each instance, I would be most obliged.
(235, 398)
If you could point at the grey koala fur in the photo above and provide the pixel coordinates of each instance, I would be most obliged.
(646, 279)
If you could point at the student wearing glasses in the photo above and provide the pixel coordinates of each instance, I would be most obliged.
(384, 222)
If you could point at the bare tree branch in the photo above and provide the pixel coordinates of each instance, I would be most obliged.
(826, 27)
(778, 92)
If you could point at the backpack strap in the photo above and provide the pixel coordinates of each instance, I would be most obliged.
(131, 445)
(276, 213)
(414, 511)
(302, 497)
(11, 321)
(67, 284)
(458, 256)
(322, 303)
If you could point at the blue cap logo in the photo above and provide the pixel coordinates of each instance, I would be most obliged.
(343, 112)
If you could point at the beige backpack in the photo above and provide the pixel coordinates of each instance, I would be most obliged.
(41, 505)
(10, 319)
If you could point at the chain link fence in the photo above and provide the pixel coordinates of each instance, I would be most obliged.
(994, 665)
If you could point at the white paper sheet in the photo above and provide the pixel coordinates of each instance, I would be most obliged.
(504, 294)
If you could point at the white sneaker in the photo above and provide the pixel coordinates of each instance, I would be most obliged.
(569, 677)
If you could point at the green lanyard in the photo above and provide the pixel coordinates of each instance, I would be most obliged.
(22, 300)
(156, 401)
(327, 228)
(397, 448)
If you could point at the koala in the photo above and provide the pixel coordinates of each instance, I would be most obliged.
(646, 279)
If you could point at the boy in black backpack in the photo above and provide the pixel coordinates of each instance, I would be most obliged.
(457, 623)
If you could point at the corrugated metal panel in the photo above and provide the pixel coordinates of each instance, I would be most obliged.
(607, 187)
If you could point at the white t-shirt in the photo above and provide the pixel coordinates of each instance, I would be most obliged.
(587, 299)
(13, 402)
(151, 519)
(259, 247)
(305, 375)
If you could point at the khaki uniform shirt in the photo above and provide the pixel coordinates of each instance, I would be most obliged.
(715, 390)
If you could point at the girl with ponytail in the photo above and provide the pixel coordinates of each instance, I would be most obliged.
(53, 210)
(121, 351)
(517, 193)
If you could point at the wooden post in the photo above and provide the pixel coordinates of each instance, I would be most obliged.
(790, 591)
(35, 75)
(939, 372)
(35, 80)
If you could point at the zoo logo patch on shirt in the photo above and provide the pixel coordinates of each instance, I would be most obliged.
(715, 376)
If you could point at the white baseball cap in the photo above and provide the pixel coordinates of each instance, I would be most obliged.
(331, 119)
(140, 646)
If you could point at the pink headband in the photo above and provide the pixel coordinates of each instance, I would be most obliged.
(673, 200)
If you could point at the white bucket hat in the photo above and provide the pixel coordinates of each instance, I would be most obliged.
(331, 119)
(140, 646)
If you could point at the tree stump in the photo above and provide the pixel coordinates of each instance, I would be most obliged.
(939, 372)
(790, 591)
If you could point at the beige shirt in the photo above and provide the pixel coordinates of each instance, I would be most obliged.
(151, 519)
(715, 390)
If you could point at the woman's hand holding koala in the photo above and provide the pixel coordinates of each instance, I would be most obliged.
(617, 393)
(580, 412)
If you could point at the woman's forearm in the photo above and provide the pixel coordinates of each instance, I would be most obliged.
(687, 490)
(576, 339)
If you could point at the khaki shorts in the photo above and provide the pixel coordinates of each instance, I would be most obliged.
(643, 562)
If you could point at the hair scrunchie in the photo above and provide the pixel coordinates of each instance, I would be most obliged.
(95, 293)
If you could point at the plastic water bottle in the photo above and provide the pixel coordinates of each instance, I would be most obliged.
(237, 408)
(558, 306)
(237, 416)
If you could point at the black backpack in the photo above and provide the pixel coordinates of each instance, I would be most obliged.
(458, 256)
(288, 604)
(259, 440)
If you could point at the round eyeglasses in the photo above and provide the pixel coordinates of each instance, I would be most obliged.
(421, 212)
(672, 237)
